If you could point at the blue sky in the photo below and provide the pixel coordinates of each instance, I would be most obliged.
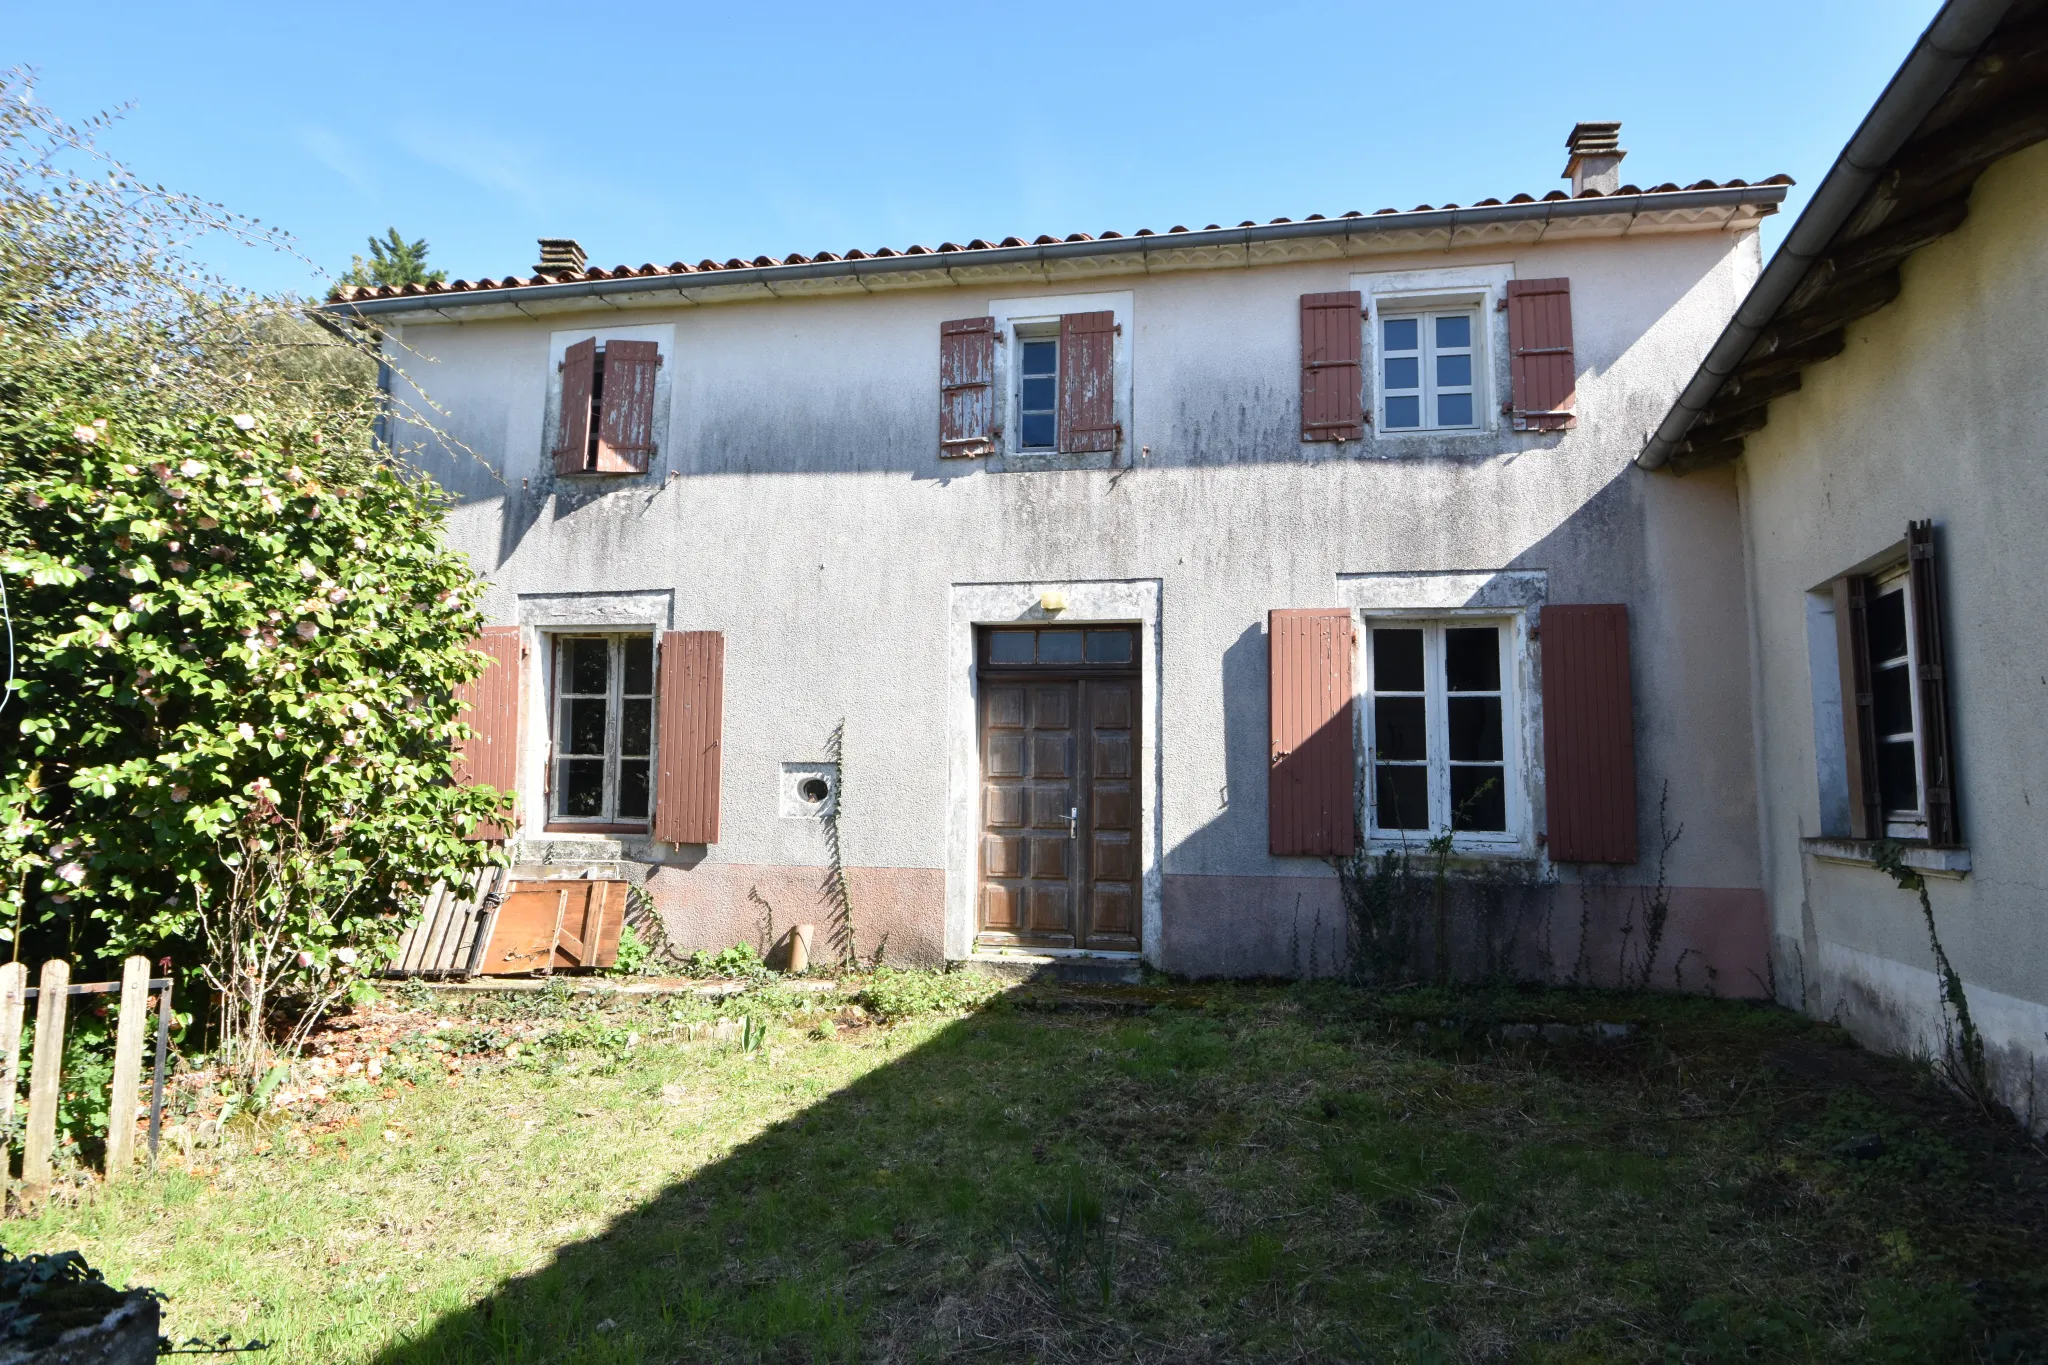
(657, 133)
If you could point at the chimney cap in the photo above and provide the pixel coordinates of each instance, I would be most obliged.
(560, 256)
(1595, 139)
(1595, 160)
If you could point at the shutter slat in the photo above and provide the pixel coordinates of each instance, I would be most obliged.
(1332, 359)
(490, 756)
(691, 739)
(1937, 739)
(1541, 364)
(1088, 382)
(1589, 734)
(1312, 763)
(1859, 732)
(572, 434)
(625, 429)
(967, 387)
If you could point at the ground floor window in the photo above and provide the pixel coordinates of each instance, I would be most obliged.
(603, 742)
(1440, 720)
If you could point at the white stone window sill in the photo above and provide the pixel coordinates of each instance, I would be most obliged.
(1935, 862)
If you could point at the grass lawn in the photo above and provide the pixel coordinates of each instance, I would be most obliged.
(1181, 1173)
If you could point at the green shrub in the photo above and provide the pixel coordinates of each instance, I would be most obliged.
(902, 993)
(740, 960)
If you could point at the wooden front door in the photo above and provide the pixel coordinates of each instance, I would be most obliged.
(1059, 809)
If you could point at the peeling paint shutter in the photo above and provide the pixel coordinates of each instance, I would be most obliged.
(1088, 382)
(1859, 731)
(1937, 739)
(572, 434)
(1331, 360)
(691, 736)
(490, 756)
(625, 429)
(1589, 743)
(967, 387)
(1312, 761)
(1540, 354)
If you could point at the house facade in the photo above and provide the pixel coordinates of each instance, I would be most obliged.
(1879, 398)
(1095, 597)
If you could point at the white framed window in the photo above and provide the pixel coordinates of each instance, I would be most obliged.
(1429, 369)
(1031, 360)
(1891, 640)
(602, 771)
(1442, 730)
(1038, 380)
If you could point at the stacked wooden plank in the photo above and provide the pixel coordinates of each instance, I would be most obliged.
(491, 925)
(453, 928)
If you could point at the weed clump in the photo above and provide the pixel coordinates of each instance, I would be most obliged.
(903, 993)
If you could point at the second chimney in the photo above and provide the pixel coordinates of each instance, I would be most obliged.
(1596, 154)
(560, 256)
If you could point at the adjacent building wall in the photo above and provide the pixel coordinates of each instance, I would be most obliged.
(1938, 409)
(799, 506)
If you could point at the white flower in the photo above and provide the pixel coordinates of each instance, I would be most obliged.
(246, 730)
(351, 738)
(358, 710)
(305, 959)
(306, 630)
(306, 569)
(85, 435)
(244, 422)
(192, 469)
(72, 872)
(345, 956)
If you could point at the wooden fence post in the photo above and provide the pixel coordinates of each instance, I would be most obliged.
(127, 1067)
(13, 999)
(43, 1079)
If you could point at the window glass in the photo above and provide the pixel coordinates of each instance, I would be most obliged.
(1401, 797)
(1397, 660)
(1453, 371)
(638, 654)
(1109, 646)
(1429, 371)
(1454, 410)
(1402, 334)
(1472, 658)
(1038, 404)
(583, 787)
(589, 665)
(586, 725)
(1010, 647)
(1891, 696)
(633, 790)
(1404, 372)
(1478, 800)
(1059, 646)
(636, 726)
(1439, 717)
(604, 727)
(1400, 730)
(1454, 330)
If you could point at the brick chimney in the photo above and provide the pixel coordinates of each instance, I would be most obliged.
(560, 256)
(1596, 155)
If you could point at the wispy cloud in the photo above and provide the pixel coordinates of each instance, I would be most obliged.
(337, 154)
(485, 159)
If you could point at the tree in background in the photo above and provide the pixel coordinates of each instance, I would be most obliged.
(393, 260)
(234, 633)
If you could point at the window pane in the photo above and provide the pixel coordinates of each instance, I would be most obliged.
(1454, 332)
(586, 726)
(633, 791)
(1475, 730)
(1898, 782)
(583, 787)
(1886, 624)
(1010, 647)
(1109, 646)
(1454, 371)
(1404, 372)
(1397, 661)
(1401, 334)
(1892, 701)
(1038, 430)
(1041, 357)
(1404, 412)
(1479, 799)
(1059, 646)
(590, 663)
(636, 726)
(639, 666)
(1038, 395)
(1472, 659)
(1454, 410)
(1401, 797)
(1398, 729)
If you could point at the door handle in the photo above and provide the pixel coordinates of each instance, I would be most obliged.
(1073, 822)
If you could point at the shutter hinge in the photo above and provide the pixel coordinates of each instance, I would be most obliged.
(1001, 337)
(1920, 550)
(1501, 305)
(1542, 838)
(1507, 407)
(1119, 329)
(1536, 631)
(1366, 416)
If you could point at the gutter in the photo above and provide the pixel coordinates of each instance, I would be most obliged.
(1926, 75)
(1448, 220)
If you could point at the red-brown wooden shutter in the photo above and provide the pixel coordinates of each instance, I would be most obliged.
(1310, 805)
(625, 429)
(490, 756)
(967, 387)
(1088, 382)
(1540, 354)
(1937, 738)
(691, 739)
(572, 435)
(1859, 731)
(1332, 340)
(1589, 734)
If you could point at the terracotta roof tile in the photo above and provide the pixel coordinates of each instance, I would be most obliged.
(650, 270)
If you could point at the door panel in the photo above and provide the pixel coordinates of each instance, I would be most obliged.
(1029, 788)
(1111, 814)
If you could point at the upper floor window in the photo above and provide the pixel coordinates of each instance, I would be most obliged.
(605, 422)
(1429, 371)
(604, 729)
(1041, 378)
(1038, 371)
(1440, 720)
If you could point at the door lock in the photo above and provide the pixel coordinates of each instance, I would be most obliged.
(1074, 822)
